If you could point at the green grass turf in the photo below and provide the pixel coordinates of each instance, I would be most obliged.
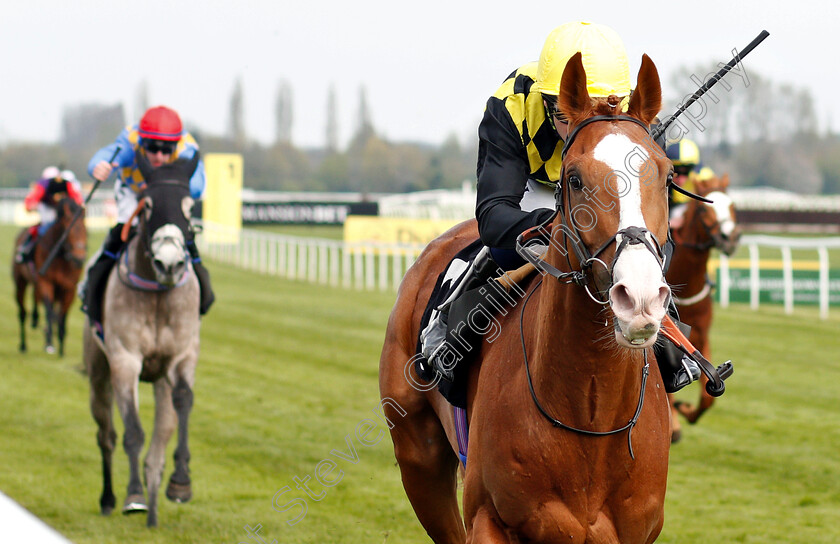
(287, 372)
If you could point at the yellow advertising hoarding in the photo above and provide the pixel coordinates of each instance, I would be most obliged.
(222, 205)
(394, 230)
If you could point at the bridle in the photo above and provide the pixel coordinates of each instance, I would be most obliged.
(133, 280)
(623, 239)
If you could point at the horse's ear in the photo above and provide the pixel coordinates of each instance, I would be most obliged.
(573, 99)
(646, 99)
(147, 207)
(185, 168)
(143, 165)
(187, 204)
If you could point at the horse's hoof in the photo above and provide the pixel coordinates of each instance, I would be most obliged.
(135, 504)
(676, 436)
(179, 493)
(22, 349)
(50, 349)
(106, 504)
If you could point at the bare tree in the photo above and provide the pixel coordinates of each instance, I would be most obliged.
(141, 99)
(364, 126)
(332, 121)
(236, 122)
(283, 113)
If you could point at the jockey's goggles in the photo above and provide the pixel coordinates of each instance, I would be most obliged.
(683, 169)
(155, 146)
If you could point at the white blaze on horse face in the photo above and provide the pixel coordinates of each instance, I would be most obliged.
(639, 293)
(722, 205)
(168, 254)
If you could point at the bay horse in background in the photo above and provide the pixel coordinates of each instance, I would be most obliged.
(700, 228)
(151, 334)
(56, 289)
(570, 361)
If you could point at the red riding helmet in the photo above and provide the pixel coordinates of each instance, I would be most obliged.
(161, 123)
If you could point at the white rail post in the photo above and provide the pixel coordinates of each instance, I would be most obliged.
(322, 263)
(787, 275)
(291, 261)
(303, 254)
(396, 267)
(725, 281)
(358, 268)
(384, 252)
(334, 250)
(312, 248)
(755, 280)
(272, 256)
(370, 271)
(824, 284)
(345, 265)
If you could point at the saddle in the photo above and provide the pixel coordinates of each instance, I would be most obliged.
(472, 315)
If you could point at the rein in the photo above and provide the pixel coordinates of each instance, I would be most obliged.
(556, 422)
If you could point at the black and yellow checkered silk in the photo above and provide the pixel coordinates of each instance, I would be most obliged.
(527, 112)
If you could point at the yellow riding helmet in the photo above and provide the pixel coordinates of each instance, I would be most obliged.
(684, 153)
(604, 59)
(705, 174)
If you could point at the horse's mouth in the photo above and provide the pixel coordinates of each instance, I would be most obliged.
(638, 338)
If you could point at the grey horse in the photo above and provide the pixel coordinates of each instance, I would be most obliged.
(151, 333)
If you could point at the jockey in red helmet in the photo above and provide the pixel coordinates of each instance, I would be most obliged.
(159, 136)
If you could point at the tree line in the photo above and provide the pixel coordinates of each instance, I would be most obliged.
(761, 132)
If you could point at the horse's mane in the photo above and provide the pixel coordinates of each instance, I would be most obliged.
(72, 206)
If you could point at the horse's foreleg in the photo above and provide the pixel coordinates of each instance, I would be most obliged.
(62, 322)
(165, 421)
(124, 379)
(179, 488)
(66, 302)
(429, 473)
(101, 406)
(47, 297)
(676, 427)
(20, 296)
(35, 301)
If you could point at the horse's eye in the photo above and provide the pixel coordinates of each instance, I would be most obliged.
(670, 178)
(575, 183)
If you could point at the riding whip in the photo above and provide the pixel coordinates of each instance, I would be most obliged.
(660, 130)
(57, 246)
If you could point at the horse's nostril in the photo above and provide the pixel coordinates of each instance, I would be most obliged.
(620, 298)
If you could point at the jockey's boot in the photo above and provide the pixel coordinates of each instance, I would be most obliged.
(26, 250)
(207, 296)
(433, 337)
(93, 289)
(676, 368)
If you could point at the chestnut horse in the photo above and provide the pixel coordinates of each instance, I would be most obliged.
(56, 289)
(569, 435)
(700, 228)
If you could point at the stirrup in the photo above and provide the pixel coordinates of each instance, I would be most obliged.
(688, 372)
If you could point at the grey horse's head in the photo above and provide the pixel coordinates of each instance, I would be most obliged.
(166, 216)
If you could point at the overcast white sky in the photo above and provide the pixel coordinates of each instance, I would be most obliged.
(428, 66)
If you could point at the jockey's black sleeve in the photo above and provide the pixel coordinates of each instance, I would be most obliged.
(502, 174)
